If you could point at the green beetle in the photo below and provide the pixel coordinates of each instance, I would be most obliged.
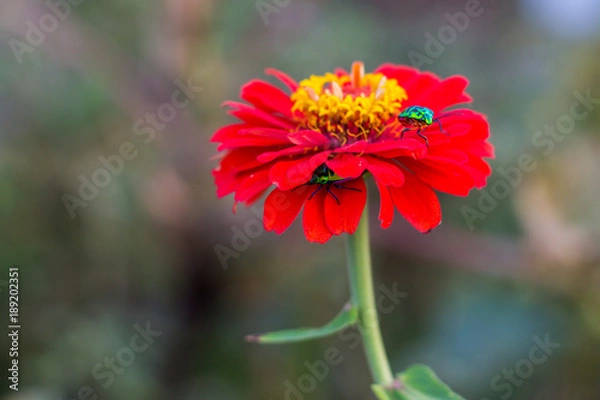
(325, 177)
(419, 118)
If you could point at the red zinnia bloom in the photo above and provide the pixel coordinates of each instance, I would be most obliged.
(316, 144)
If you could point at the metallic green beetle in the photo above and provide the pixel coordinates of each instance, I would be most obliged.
(419, 118)
(326, 177)
(417, 115)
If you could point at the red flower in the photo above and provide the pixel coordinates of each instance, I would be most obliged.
(317, 143)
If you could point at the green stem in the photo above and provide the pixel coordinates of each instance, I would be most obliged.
(363, 296)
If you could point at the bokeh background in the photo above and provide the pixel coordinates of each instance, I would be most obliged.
(142, 249)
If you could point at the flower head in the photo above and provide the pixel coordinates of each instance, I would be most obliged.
(317, 143)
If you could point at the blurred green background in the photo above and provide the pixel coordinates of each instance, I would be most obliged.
(478, 292)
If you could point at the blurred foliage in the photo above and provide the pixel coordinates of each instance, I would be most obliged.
(143, 248)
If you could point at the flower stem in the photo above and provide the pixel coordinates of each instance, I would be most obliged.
(363, 297)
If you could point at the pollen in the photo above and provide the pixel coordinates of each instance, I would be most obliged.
(348, 107)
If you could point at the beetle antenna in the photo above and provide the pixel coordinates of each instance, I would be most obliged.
(347, 188)
(451, 113)
(441, 128)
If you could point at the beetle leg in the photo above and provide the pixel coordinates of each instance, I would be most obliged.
(333, 194)
(402, 133)
(423, 136)
(315, 192)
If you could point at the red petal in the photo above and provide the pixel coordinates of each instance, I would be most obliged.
(450, 92)
(282, 208)
(479, 170)
(313, 219)
(257, 117)
(385, 172)
(340, 72)
(308, 138)
(228, 132)
(228, 182)
(345, 215)
(427, 89)
(386, 205)
(289, 151)
(250, 201)
(446, 153)
(401, 73)
(487, 150)
(479, 149)
(239, 160)
(347, 165)
(438, 95)
(418, 85)
(251, 141)
(465, 125)
(230, 174)
(242, 135)
(290, 174)
(236, 166)
(418, 203)
(444, 177)
(254, 184)
(387, 148)
(265, 133)
(267, 97)
(283, 77)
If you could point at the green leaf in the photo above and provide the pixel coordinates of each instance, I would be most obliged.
(347, 317)
(418, 382)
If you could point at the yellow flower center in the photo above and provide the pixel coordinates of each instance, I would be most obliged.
(345, 107)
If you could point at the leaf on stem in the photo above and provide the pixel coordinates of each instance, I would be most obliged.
(347, 317)
(418, 382)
